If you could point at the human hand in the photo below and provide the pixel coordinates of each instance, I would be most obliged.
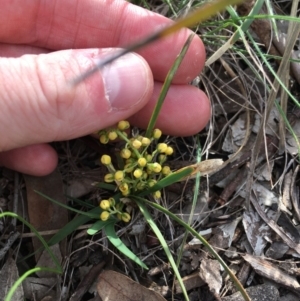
(45, 44)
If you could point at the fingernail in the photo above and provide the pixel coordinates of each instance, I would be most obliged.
(126, 81)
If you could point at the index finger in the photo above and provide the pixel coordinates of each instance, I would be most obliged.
(68, 24)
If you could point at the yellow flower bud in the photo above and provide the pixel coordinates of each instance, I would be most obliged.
(162, 147)
(142, 162)
(125, 193)
(112, 135)
(124, 187)
(104, 204)
(138, 173)
(105, 160)
(145, 141)
(151, 182)
(125, 217)
(103, 139)
(123, 125)
(104, 216)
(156, 167)
(119, 175)
(136, 144)
(169, 151)
(157, 194)
(166, 170)
(156, 134)
(125, 153)
(109, 178)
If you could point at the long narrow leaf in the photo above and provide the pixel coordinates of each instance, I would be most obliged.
(164, 246)
(117, 242)
(239, 286)
(166, 86)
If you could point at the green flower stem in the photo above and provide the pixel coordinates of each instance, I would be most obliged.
(120, 134)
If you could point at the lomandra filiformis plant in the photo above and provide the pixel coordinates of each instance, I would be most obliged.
(143, 161)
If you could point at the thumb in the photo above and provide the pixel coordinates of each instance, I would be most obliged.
(38, 104)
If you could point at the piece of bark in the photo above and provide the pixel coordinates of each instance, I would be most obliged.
(263, 292)
(272, 272)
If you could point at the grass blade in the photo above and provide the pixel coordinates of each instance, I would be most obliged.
(164, 245)
(117, 242)
(166, 86)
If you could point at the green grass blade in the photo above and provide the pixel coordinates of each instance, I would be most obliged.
(89, 214)
(99, 225)
(167, 181)
(44, 243)
(73, 225)
(195, 199)
(238, 285)
(117, 242)
(23, 277)
(164, 245)
(166, 86)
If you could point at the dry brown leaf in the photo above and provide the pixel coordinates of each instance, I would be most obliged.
(210, 273)
(45, 215)
(113, 286)
(8, 276)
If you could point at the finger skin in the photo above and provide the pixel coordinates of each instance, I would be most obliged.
(58, 25)
(46, 107)
(186, 111)
(36, 160)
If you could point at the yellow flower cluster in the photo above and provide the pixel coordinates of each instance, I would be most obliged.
(143, 162)
(111, 208)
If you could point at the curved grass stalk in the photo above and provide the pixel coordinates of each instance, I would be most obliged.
(21, 279)
(238, 285)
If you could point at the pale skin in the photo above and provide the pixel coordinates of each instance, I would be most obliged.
(45, 44)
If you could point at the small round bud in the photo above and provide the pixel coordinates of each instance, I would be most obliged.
(112, 135)
(125, 153)
(112, 202)
(156, 167)
(103, 139)
(104, 216)
(140, 186)
(142, 162)
(125, 217)
(162, 158)
(166, 170)
(162, 147)
(148, 158)
(145, 141)
(125, 193)
(157, 194)
(109, 178)
(151, 182)
(105, 160)
(156, 134)
(104, 204)
(138, 173)
(136, 144)
(169, 151)
(123, 125)
(119, 175)
(124, 187)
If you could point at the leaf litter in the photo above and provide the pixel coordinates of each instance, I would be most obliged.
(260, 242)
